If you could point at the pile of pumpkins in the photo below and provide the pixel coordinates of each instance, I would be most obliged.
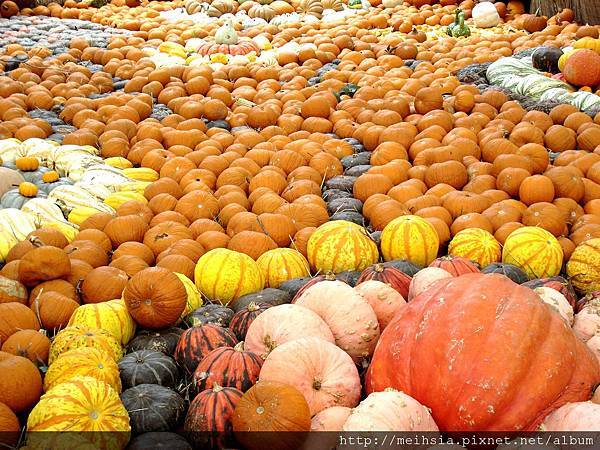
(323, 223)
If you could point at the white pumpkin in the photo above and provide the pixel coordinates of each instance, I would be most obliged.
(594, 345)
(37, 148)
(557, 301)
(330, 419)
(587, 321)
(485, 15)
(578, 416)
(424, 279)
(9, 149)
(43, 210)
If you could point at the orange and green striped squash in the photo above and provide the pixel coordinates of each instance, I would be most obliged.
(411, 238)
(340, 245)
(282, 264)
(223, 275)
(477, 245)
(79, 405)
(111, 316)
(85, 361)
(79, 336)
(194, 299)
(534, 250)
(583, 268)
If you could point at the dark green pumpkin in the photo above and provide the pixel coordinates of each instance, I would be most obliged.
(294, 285)
(163, 341)
(271, 296)
(156, 440)
(148, 367)
(211, 313)
(513, 272)
(546, 59)
(403, 265)
(153, 408)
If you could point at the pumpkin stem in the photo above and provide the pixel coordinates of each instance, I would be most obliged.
(239, 347)
(252, 306)
(379, 267)
(36, 241)
(316, 385)
(217, 387)
(330, 276)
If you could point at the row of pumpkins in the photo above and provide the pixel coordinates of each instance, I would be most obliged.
(290, 358)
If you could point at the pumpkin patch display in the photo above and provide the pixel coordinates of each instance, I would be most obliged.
(229, 210)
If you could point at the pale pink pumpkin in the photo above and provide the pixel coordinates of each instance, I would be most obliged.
(284, 323)
(594, 345)
(383, 298)
(596, 396)
(578, 416)
(424, 279)
(557, 301)
(351, 319)
(390, 410)
(330, 419)
(587, 321)
(324, 373)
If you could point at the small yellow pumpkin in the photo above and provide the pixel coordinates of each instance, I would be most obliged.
(27, 189)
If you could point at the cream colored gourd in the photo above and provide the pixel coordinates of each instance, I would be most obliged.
(226, 34)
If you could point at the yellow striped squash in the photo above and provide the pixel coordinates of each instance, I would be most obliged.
(77, 337)
(111, 316)
(118, 162)
(141, 174)
(534, 250)
(194, 300)
(79, 215)
(67, 229)
(85, 361)
(411, 238)
(282, 264)
(118, 198)
(583, 268)
(340, 245)
(223, 275)
(477, 245)
(83, 404)
(133, 186)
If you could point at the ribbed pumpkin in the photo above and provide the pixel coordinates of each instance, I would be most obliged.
(152, 407)
(197, 342)
(534, 250)
(559, 284)
(418, 354)
(163, 341)
(476, 245)
(389, 275)
(155, 298)
(78, 337)
(223, 275)
(340, 245)
(282, 264)
(110, 316)
(583, 268)
(228, 367)
(209, 417)
(193, 301)
(83, 404)
(242, 319)
(83, 362)
(148, 367)
(411, 238)
(455, 265)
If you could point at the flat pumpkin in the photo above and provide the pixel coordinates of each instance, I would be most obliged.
(418, 355)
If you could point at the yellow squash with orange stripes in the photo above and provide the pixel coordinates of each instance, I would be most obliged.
(111, 316)
(411, 238)
(534, 250)
(477, 245)
(282, 264)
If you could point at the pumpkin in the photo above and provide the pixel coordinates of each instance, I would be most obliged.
(211, 313)
(546, 59)
(241, 320)
(455, 265)
(83, 362)
(271, 296)
(477, 245)
(426, 278)
(12, 291)
(209, 417)
(148, 367)
(43, 264)
(228, 367)
(53, 310)
(411, 238)
(223, 275)
(471, 302)
(405, 414)
(14, 317)
(582, 267)
(103, 284)
(67, 407)
(397, 279)
(30, 344)
(573, 417)
(163, 341)
(272, 409)
(9, 426)
(340, 245)
(557, 301)
(196, 342)
(20, 382)
(284, 323)
(582, 68)
(330, 419)
(78, 337)
(152, 407)
(159, 440)
(280, 265)
(111, 316)
(534, 250)
(335, 302)
(559, 284)
(403, 266)
(155, 298)
(384, 300)
(508, 270)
